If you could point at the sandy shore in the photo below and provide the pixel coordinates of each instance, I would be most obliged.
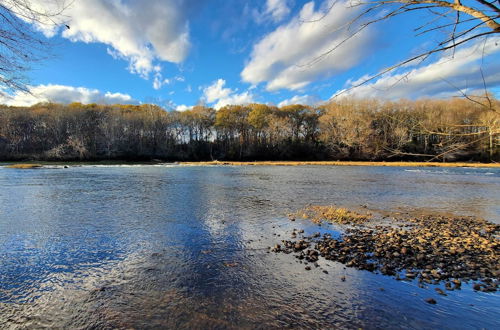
(343, 163)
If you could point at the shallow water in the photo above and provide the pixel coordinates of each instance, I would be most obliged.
(186, 247)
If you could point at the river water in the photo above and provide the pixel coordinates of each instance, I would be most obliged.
(187, 247)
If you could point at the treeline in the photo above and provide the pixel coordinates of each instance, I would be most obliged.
(347, 129)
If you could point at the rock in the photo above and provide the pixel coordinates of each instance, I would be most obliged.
(410, 275)
(430, 249)
(308, 268)
(441, 292)
(431, 301)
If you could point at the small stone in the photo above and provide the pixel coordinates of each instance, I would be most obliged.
(441, 292)
(431, 301)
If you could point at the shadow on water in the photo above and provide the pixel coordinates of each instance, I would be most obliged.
(98, 247)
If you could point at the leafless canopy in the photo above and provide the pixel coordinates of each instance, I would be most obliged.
(462, 21)
(20, 45)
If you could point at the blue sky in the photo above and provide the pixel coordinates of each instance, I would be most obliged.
(179, 53)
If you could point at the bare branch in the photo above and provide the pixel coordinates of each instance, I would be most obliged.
(391, 68)
(20, 44)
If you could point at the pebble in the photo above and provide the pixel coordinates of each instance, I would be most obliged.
(430, 249)
(441, 292)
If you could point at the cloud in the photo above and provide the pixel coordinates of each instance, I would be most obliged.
(183, 107)
(293, 55)
(158, 80)
(216, 93)
(64, 94)
(440, 78)
(139, 31)
(301, 99)
(274, 10)
(278, 9)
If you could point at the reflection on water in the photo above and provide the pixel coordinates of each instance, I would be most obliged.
(152, 246)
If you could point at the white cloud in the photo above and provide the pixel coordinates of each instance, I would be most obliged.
(291, 57)
(64, 94)
(183, 107)
(216, 93)
(274, 10)
(158, 80)
(140, 31)
(440, 78)
(301, 99)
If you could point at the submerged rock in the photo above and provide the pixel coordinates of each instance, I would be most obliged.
(431, 301)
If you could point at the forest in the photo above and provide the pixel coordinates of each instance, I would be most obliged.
(345, 129)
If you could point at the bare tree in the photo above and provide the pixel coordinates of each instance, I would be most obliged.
(20, 44)
(462, 21)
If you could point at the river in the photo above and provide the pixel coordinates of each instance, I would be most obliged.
(187, 247)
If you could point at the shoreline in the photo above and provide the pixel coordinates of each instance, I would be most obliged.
(342, 163)
(26, 164)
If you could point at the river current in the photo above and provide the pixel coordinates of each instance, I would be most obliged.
(171, 246)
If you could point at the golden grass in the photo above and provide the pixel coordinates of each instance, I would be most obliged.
(332, 214)
(24, 166)
(343, 163)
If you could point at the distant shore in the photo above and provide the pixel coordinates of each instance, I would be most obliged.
(342, 163)
(35, 164)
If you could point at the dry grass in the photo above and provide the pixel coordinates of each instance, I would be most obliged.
(318, 213)
(24, 166)
(344, 163)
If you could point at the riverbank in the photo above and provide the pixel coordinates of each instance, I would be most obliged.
(33, 164)
(42, 164)
(342, 163)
